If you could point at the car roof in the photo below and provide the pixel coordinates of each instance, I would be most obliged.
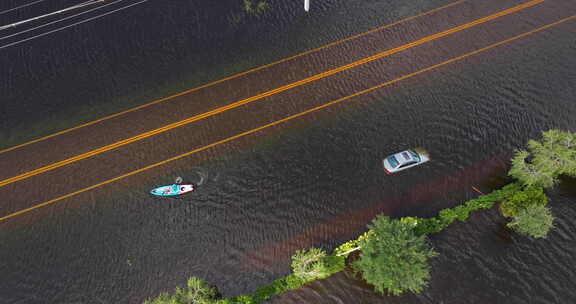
(404, 157)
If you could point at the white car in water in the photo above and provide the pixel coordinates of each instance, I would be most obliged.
(404, 160)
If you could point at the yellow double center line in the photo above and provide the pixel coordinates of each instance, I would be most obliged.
(262, 67)
(268, 93)
(430, 68)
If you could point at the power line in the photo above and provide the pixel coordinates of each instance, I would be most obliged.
(83, 4)
(59, 20)
(21, 6)
(71, 25)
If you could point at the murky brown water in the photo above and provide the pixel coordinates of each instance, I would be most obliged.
(314, 182)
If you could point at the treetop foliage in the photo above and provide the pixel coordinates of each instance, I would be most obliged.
(394, 258)
(534, 220)
(195, 292)
(309, 264)
(547, 159)
(255, 7)
(524, 197)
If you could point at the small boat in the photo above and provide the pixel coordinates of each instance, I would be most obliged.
(173, 190)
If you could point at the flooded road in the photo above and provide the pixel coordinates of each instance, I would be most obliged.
(479, 262)
(314, 181)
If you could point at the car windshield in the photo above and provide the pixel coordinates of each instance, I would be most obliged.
(415, 155)
(393, 161)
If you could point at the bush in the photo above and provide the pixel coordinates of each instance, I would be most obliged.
(410, 221)
(348, 246)
(309, 265)
(196, 291)
(479, 203)
(534, 220)
(462, 212)
(428, 226)
(293, 282)
(264, 293)
(280, 285)
(334, 264)
(255, 8)
(163, 298)
(241, 299)
(394, 258)
(447, 216)
(521, 199)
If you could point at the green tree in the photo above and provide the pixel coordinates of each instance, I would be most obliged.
(309, 265)
(195, 292)
(554, 155)
(163, 298)
(393, 258)
(293, 282)
(244, 299)
(531, 174)
(534, 220)
(255, 8)
(522, 198)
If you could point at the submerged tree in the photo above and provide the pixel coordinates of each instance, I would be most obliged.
(529, 173)
(554, 155)
(255, 7)
(534, 220)
(394, 259)
(523, 197)
(163, 298)
(195, 292)
(309, 264)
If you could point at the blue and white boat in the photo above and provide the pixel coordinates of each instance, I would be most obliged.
(173, 190)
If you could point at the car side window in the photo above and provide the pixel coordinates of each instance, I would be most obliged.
(415, 156)
(407, 164)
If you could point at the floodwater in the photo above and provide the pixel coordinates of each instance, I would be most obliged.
(315, 182)
(480, 262)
